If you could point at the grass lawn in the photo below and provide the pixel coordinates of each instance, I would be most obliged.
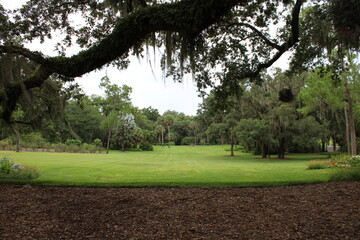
(200, 166)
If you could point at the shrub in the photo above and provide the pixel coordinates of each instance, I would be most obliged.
(146, 146)
(73, 148)
(5, 144)
(188, 141)
(60, 147)
(98, 143)
(33, 140)
(6, 166)
(321, 164)
(351, 174)
(170, 144)
(341, 161)
(92, 148)
(73, 142)
(26, 173)
(47, 147)
(316, 165)
(354, 161)
(9, 169)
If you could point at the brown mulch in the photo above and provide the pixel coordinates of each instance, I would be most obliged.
(317, 211)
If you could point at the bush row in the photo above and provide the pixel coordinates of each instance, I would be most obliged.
(72, 146)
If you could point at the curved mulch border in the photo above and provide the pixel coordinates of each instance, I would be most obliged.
(317, 211)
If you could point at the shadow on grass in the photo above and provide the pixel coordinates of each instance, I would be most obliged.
(162, 184)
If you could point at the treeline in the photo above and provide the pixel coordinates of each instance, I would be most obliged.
(301, 112)
(74, 122)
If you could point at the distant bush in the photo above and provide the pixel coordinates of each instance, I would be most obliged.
(73, 148)
(90, 148)
(6, 144)
(97, 142)
(73, 142)
(33, 140)
(146, 146)
(354, 161)
(318, 165)
(9, 169)
(188, 141)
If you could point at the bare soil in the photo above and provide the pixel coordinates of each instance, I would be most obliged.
(317, 211)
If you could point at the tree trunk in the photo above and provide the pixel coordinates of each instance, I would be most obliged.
(162, 137)
(17, 137)
(323, 146)
(195, 137)
(232, 147)
(351, 120)
(169, 136)
(349, 115)
(282, 149)
(123, 147)
(264, 150)
(347, 137)
(108, 142)
(71, 130)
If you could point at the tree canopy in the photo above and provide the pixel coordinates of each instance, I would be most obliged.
(114, 28)
(218, 41)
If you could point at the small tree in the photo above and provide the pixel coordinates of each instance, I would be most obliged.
(125, 131)
(168, 121)
(193, 125)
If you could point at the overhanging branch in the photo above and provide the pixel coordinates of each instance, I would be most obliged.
(189, 17)
(258, 33)
(289, 43)
(33, 56)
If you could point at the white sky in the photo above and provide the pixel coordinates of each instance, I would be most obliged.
(149, 87)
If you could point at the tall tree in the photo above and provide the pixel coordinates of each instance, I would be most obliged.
(322, 41)
(113, 106)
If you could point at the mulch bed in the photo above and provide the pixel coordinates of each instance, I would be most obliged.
(316, 211)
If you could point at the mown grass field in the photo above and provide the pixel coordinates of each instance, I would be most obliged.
(198, 166)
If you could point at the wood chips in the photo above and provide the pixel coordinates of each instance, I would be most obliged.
(316, 211)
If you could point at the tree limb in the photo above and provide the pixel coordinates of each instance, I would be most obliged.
(290, 42)
(258, 33)
(33, 56)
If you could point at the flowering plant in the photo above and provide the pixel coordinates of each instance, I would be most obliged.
(12, 170)
(354, 161)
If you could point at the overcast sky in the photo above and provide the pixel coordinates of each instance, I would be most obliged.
(149, 87)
